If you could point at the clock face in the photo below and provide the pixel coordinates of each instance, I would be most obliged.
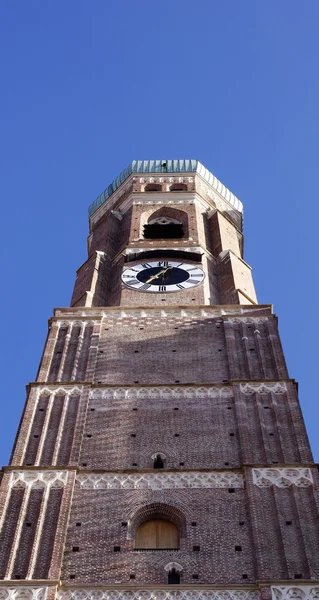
(163, 276)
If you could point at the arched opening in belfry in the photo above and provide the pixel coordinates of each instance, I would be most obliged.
(163, 228)
(166, 223)
(157, 534)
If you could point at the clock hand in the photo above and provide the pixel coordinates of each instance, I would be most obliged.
(158, 274)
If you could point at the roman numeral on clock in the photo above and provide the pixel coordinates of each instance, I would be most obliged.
(180, 286)
(146, 266)
(162, 288)
(193, 281)
(145, 286)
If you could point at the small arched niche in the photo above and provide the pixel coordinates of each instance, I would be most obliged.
(158, 460)
(157, 534)
(173, 577)
(153, 187)
(178, 187)
(173, 573)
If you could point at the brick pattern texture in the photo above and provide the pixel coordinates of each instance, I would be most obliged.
(117, 387)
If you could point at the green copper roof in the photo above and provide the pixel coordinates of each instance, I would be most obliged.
(166, 166)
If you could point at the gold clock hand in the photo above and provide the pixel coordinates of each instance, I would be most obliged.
(158, 274)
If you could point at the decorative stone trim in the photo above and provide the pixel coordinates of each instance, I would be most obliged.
(198, 594)
(173, 565)
(159, 481)
(137, 249)
(23, 592)
(162, 179)
(160, 392)
(263, 388)
(282, 478)
(58, 391)
(74, 323)
(247, 320)
(188, 313)
(164, 200)
(164, 314)
(300, 592)
(169, 312)
(38, 479)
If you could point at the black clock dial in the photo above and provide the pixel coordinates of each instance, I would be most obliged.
(163, 276)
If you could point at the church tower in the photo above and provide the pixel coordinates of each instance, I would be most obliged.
(162, 453)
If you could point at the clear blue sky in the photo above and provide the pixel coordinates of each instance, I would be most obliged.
(87, 86)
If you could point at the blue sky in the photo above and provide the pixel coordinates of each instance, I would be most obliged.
(89, 86)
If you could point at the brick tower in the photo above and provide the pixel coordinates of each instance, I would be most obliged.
(162, 452)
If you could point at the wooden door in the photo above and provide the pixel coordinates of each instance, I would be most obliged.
(157, 534)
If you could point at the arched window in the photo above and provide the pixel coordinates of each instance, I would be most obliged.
(157, 534)
(153, 187)
(173, 577)
(163, 228)
(158, 462)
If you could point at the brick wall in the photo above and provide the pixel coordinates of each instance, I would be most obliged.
(99, 283)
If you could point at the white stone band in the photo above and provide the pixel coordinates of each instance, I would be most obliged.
(23, 592)
(193, 594)
(160, 392)
(159, 481)
(58, 390)
(282, 478)
(294, 592)
(263, 388)
(247, 320)
(210, 312)
(38, 479)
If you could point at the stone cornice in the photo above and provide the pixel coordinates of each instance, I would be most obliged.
(210, 311)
